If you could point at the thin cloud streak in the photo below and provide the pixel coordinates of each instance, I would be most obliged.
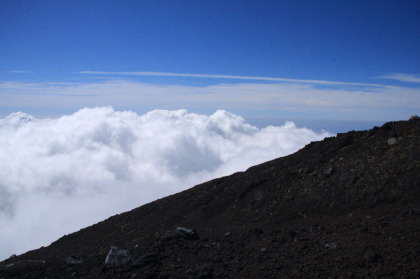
(19, 72)
(162, 74)
(412, 78)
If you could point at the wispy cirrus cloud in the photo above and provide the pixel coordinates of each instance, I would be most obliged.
(18, 72)
(412, 78)
(231, 77)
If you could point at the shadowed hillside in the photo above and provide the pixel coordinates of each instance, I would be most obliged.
(344, 207)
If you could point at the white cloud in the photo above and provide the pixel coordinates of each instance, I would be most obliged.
(413, 78)
(59, 175)
(19, 72)
(253, 78)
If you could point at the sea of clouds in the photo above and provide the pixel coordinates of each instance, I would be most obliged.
(59, 175)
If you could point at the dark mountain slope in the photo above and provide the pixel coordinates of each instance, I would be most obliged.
(346, 206)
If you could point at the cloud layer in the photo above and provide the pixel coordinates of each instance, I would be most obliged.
(59, 175)
(297, 100)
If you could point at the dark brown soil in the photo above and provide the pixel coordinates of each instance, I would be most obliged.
(345, 207)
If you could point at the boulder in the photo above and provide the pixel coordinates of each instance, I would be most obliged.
(180, 233)
(118, 256)
(331, 245)
(392, 141)
(73, 259)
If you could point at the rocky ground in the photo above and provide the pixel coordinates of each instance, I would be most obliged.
(345, 207)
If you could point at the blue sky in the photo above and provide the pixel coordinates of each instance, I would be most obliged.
(356, 60)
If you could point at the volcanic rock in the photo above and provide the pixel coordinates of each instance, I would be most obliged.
(118, 256)
(74, 259)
